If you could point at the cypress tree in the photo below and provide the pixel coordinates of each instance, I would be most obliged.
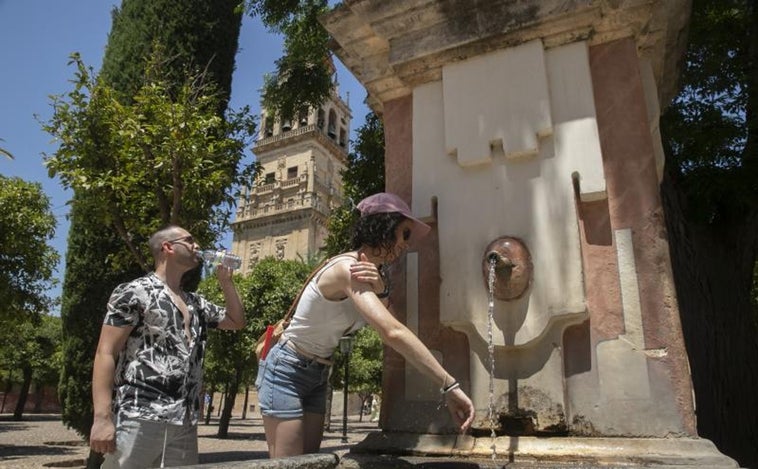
(196, 35)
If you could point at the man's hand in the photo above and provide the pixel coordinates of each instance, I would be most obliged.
(235, 311)
(224, 275)
(102, 437)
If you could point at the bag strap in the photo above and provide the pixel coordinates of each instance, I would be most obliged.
(291, 311)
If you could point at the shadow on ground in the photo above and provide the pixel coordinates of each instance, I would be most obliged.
(232, 456)
(11, 452)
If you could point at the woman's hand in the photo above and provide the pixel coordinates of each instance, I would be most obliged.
(461, 408)
(367, 272)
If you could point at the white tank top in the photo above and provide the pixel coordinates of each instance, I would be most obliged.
(318, 323)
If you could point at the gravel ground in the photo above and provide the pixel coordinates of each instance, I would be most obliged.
(41, 440)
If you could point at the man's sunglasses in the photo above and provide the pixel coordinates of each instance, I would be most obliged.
(184, 239)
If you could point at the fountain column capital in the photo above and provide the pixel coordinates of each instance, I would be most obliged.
(392, 47)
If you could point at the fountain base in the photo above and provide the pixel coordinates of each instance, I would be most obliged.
(461, 451)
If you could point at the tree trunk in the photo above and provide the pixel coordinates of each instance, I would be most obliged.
(713, 272)
(39, 396)
(8, 389)
(247, 399)
(23, 393)
(222, 400)
(229, 398)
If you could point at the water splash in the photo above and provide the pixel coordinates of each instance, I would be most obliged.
(491, 351)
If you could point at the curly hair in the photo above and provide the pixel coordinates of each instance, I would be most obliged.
(377, 230)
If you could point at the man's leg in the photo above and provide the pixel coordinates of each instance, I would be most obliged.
(181, 445)
(138, 444)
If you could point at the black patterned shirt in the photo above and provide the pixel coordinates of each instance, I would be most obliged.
(159, 375)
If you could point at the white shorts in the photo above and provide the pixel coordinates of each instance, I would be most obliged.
(144, 443)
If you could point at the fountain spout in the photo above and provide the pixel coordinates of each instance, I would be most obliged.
(512, 263)
(502, 263)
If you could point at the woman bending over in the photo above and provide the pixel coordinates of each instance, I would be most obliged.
(347, 293)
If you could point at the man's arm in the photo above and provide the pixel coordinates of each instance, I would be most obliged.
(112, 341)
(235, 312)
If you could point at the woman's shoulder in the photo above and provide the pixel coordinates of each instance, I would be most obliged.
(340, 262)
(350, 255)
(336, 272)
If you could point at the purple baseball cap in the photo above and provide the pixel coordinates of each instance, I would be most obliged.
(385, 202)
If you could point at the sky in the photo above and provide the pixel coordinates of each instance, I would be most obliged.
(36, 39)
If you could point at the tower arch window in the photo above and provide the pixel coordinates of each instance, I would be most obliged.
(332, 127)
(268, 126)
(321, 119)
(302, 117)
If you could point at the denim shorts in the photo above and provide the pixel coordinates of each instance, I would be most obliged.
(290, 385)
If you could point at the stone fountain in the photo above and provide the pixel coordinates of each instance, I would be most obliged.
(526, 133)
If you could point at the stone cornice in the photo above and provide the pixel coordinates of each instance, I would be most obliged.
(279, 218)
(392, 47)
(297, 136)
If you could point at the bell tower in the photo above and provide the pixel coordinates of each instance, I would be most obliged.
(284, 214)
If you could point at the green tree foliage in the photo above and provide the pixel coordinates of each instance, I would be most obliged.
(274, 285)
(707, 127)
(47, 368)
(161, 159)
(303, 75)
(363, 176)
(197, 36)
(33, 348)
(365, 378)
(26, 260)
(709, 193)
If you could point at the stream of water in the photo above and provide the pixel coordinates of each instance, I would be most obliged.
(491, 350)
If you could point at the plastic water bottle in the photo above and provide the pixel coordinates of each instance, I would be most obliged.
(213, 258)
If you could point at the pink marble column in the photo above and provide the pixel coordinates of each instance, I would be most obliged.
(453, 346)
(633, 203)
